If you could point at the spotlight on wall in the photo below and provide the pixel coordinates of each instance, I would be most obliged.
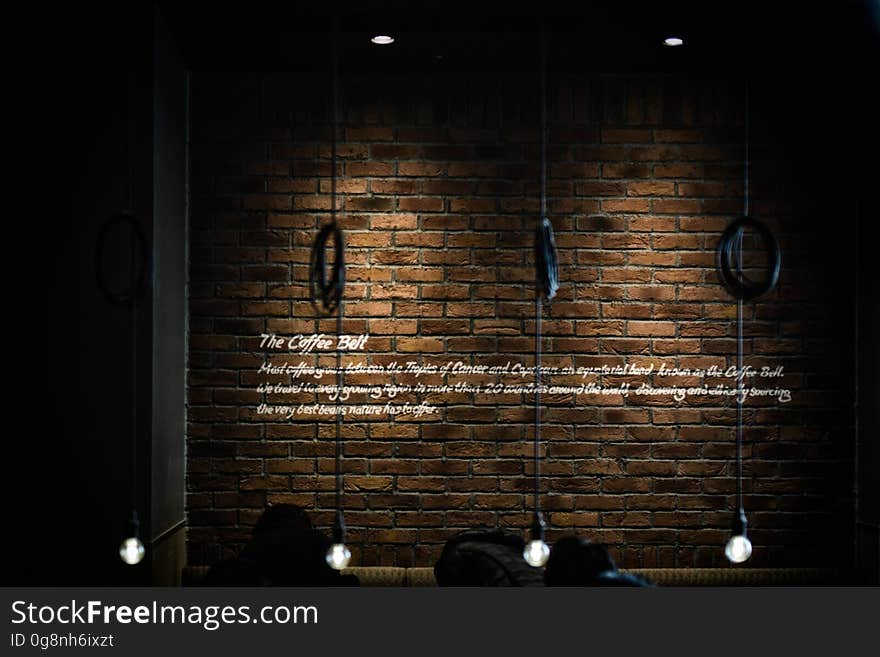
(382, 40)
(673, 41)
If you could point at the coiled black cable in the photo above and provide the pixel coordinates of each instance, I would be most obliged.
(729, 259)
(326, 294)
(139, 266)
(547, 271)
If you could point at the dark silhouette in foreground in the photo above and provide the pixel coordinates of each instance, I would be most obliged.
(284, 550)
(485, 557)
(576, 561)
(494, 557)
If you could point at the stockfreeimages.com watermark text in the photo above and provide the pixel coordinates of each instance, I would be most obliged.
(209, 617)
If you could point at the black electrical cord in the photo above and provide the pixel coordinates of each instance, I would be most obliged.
(134, 376)
(729, 261)
(546, 285)
(138, 272)
(339, 525)
(326, 295)
(139, 267)
(547, 272)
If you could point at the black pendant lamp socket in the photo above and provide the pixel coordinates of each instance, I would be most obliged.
(537, 552)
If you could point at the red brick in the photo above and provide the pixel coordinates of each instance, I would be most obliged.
(440, 266)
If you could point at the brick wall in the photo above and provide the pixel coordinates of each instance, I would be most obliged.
(438, 197)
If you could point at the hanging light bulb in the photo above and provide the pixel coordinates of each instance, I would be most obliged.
(537, 552)
(132, 550)
(739, 547)
(338, 556)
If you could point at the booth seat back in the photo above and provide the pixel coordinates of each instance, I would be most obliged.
(397, 576)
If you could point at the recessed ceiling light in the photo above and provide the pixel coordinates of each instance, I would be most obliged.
(382, 39)
(673, 41)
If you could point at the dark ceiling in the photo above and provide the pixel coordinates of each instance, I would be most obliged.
(778, 37)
